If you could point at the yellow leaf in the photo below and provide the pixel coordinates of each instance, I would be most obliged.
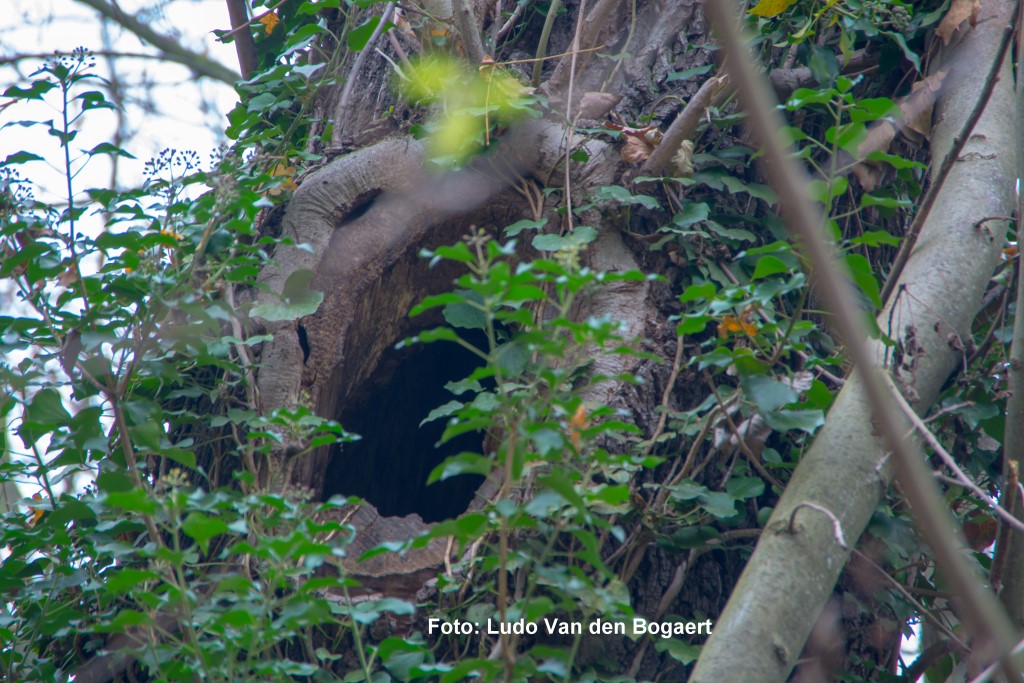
(578, 423)
(771, 8)
(35, 514)
(269, 21)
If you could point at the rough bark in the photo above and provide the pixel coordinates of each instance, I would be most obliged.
(791, 576)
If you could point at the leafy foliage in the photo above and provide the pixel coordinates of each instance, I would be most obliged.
(129, 353)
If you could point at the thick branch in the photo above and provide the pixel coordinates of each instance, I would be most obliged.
(245, 46)
(170, 49)
(940, 291)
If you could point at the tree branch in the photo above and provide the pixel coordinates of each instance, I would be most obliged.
(169, 48)
(245, 45)
(771, 633)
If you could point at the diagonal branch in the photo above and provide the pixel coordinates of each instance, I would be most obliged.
(772, 635)
(169, 48)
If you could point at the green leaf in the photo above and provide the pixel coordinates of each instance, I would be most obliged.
(619, 194)
(691, 214)
(875, 238)
(695, 292)
(202, 528)
(867, 199)
(468, 313)
(21, 158)
(689, 73)
(680, 650)
(109, 148)
(860, 269)
(94, 100)
(463, 463)
(126, 579)
(512, 358)
(766, 393)
(297, 300)
(718, 504)
(34, 92)
(745, 487)
(693, 324)
(769, 265)
(360, 35)
(768, 9)
(446, 410)
(803, 420)
(525, 224)
(47, 409)
(582, 235)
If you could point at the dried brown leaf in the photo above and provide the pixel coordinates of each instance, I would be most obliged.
(916, 111)
(959, 10)
(596, 105)
(636, 150)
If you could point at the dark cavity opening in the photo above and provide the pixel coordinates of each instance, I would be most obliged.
(389, 466)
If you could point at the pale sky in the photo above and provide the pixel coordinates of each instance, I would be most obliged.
(178, 111)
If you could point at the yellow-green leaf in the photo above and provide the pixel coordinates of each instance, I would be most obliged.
(771, 8)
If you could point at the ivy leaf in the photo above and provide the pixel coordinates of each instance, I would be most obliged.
(769, 265)
(768, 394)
(297, 300)
(860, 269)
(803, 420)
(679, 650)
(360, 35)
(718, 504)
(201, 528)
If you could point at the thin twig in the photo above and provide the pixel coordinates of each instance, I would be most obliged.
(259, 17)
(665, 395)
(921, 609)
(837, 527)
(947, 459)
(755, 461)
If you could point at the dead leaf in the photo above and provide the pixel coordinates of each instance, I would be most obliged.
(980, 529)
(754, 431)
(959, 10)
(287, 184)
(577, 424)
(640, 142)
(34, 513)
(681, 165)
(596, 105)
(916, 112)
(800, 382)
(636, 150)
(70, 351)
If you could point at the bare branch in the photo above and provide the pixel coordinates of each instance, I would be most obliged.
(170, 49)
